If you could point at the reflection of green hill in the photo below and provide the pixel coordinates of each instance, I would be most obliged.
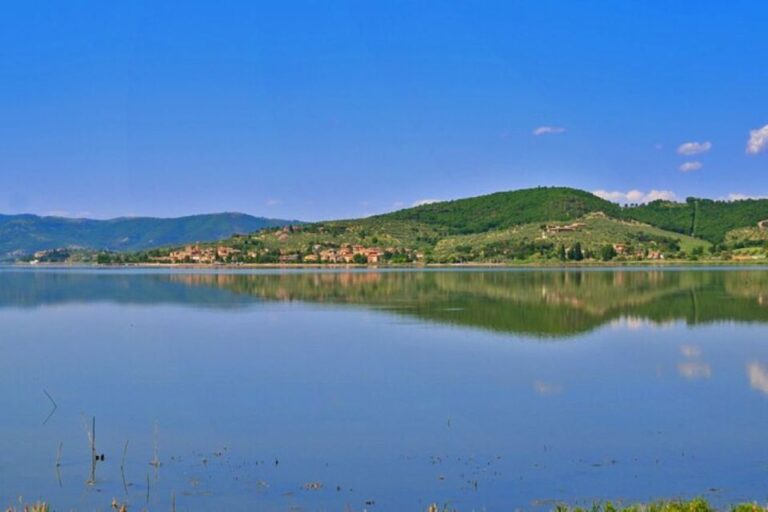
(544, 303)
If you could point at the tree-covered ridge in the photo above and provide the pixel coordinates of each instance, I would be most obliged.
(702, 218)
(505, 209)
(706, 219)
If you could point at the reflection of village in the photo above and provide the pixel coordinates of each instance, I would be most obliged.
(345, 254)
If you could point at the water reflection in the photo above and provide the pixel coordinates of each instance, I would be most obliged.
(202, 382)
(758, 376)
(538, 303)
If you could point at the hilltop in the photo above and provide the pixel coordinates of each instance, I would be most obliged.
(22, 235)
(505, 209)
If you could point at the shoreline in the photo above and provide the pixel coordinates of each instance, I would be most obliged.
(352, 266)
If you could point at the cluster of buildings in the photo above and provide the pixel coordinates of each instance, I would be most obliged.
(553, 228)
(624, 250)
(197, 254)
(346, 254)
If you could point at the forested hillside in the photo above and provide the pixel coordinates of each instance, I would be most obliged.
(505, 209)
(703, 218)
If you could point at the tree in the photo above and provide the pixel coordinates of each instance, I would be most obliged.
(359, 259)
(103, 259)
(607, 252)
(575, 253)
(561, 252)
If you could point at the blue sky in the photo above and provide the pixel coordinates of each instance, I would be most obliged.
(317, 110)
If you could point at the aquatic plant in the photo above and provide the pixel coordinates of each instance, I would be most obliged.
(694, 505)
(37, 507)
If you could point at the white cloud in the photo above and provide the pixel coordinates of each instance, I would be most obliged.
(691, 166)
(635, 196)
(733, 196)
(273, 202)
(694, 148)
(664, 195)
(547, 388)
(548, 130)
(758, 140)
(422, 202)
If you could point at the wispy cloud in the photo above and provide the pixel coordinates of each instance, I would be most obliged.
(548, 130)
(422, 202)
(758, 376)
(547, 388)
(691, 166)
(694, 148)
(635, 196)
(57, 213)
(734, 196)
(273, 202)
(758, 140)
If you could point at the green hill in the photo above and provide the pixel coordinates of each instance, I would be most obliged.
(24, 234)
(703, 218)
(700, 218)
(496, 228)
(505, 209)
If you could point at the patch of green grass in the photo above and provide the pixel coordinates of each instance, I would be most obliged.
(694, 505)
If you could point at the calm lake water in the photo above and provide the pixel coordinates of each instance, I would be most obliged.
(487, 390)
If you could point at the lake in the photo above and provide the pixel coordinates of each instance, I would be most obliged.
(382, 390)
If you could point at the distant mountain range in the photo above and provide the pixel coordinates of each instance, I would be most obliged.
(25, 234)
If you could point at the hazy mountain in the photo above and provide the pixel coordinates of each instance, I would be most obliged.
(25, 234)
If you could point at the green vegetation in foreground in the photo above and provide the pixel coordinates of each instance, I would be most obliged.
(538, 226)
(695, 505)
